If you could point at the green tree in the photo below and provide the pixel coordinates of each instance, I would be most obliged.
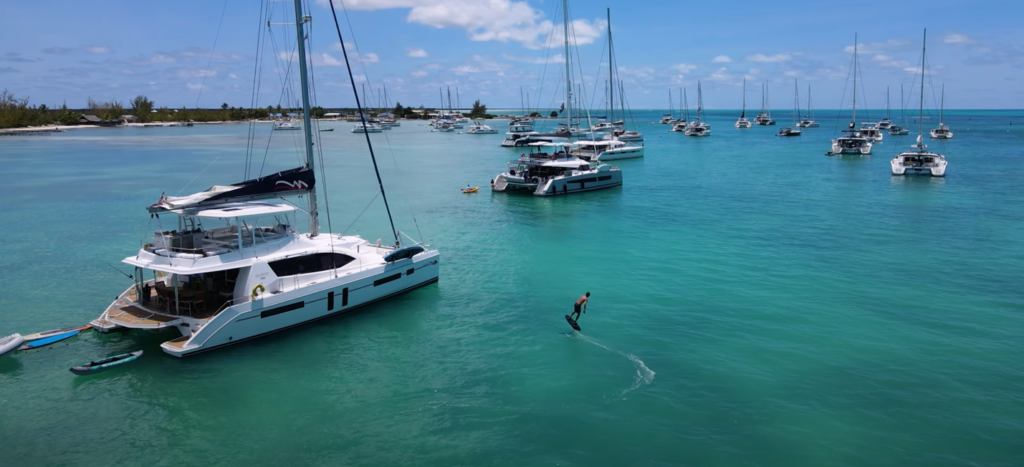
(142, 107)
(554, 113)
(317, 112)
(224, 106)
(399, 110)
(478, 109)
(535, 114)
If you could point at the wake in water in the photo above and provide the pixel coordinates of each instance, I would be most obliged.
(644, 375)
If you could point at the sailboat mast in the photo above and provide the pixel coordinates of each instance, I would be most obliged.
(942, 104)
(796, 102)
(853, 121)
(743, 113)
(568, 77)
(808, 101)
(314, 225)
(920, 112)
(611, 88)
(887, 102)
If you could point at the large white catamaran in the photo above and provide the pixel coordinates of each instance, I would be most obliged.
(233, 267)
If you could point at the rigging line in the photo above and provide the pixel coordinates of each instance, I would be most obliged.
(375, 195)
(579, 66)
(319, 140)
(362, 117)
(208, 62)
(197, 175)
(597, 76)
(355, 44)
(250, 138)
(547, 55)
(841, 100)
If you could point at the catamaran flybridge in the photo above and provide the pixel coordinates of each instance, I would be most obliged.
(605, 150)
(233, 266)
(549, 170)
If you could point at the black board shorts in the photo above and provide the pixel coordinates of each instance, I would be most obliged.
(576, 308)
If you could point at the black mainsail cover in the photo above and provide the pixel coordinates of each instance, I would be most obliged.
(292, 182)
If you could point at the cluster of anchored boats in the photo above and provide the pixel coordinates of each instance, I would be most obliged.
(858, 141)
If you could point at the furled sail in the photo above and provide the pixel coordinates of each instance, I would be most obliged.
(292, 182)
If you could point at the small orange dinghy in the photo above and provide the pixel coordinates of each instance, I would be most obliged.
(470, 190)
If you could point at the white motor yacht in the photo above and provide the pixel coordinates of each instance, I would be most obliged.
(478, 128)
(626, 136)
(521, 136)
(367, 128)
(872, 132)
(235, 268)
(549, 171)
(287, 125)
(605, 150)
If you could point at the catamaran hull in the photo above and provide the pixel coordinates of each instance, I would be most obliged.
(267, 316)
(619, 154)
(839, 149)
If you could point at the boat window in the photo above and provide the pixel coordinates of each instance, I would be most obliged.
(309, 263)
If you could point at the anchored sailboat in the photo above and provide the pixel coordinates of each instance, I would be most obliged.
(853, 143)
(793, 131)
(742, 122)
(808, 121)
(921, 160)
(897, 130)
(234, 267)
(550, 169)
(942, 132)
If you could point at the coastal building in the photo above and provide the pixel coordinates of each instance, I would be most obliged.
(88, 120)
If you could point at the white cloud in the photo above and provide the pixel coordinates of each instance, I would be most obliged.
(556, 58)
(642, 72)
(491, 20)
(684, 67)
(95, 49)
(769, 58)
(419, 74)
(465, 70)
(194, 87)
(161, 58)
(233, 76)
(720, 74)
(321, 59)
(877, 47)
(368, 57)
(956, 39)
(417, 53)
(721, 59)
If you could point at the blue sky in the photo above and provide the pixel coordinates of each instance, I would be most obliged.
(59, 51)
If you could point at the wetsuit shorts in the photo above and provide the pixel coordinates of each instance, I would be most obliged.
(576, 308)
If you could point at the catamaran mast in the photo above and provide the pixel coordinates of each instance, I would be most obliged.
(743, 113)
(568, 78)
(920, 112)
(611, 88)
(314, 226)
(853, 121)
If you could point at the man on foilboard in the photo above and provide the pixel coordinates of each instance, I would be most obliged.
(579, 307)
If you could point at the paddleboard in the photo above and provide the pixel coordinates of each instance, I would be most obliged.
(106, 363)
(48, 340)
(573, 323)
(40, 335)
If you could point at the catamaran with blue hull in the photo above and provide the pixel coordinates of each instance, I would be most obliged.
(235, 268)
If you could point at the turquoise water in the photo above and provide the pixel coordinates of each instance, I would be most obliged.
(754, 303)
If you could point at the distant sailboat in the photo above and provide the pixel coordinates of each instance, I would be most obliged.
(885, 124)
(896, 130)
(765, 117)
(942, 132)
(808, 121)
(920, 161)
(792, 131)
(854, 142)
(743, 122)
(697, 127)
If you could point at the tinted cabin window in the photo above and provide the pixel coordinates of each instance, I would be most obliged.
(309, 263)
